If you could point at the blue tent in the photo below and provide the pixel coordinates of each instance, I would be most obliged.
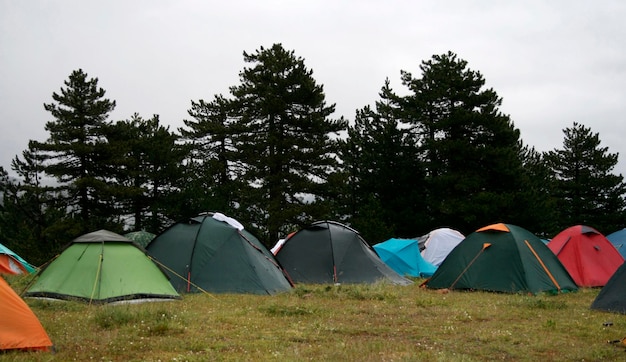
(618, 239)
(403, 256)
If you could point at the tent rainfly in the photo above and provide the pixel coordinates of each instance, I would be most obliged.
(11, 263)
(439, 243)
(214, 253)
(612, 297)
(19, 327)
(403, 256)
(102, 267)
(588, 256)
(330, 252)
(502, 258)
(618, 239)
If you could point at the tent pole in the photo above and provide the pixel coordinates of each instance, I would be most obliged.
(558, 287)
(485, 246)
(96, 281)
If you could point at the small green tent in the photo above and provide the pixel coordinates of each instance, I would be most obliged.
(214, 253)
(502, 258)
(102, 267)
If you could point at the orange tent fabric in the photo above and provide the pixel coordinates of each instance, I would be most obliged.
(19, 327)
(8, 265)
(495, 227)
(588, 256)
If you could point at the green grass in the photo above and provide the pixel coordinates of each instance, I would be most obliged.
(335, 323)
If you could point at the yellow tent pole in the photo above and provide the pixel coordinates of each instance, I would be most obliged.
(95, 282)
(180, 276)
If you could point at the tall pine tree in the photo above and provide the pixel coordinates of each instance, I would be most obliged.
(471, 150)
(284, 140)
(73, 152)
(587, 190)
(145, 163)
(386, 174)
(213, 182)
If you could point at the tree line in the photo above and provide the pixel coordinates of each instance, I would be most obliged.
(270, 154)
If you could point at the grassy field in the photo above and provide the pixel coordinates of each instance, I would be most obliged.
(335, 323)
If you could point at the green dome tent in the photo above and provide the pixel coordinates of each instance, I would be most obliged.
(102, 267)
(502, 258)
(212, 252)
(330, 252)
(612, 297)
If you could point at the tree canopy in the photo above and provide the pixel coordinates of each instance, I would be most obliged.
(272, 154)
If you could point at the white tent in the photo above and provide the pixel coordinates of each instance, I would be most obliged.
(439, 243)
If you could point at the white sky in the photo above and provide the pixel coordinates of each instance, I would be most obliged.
(553, 62)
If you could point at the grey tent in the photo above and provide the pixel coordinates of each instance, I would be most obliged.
(330, 252)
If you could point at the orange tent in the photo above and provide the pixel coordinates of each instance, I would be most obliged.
(19, 327)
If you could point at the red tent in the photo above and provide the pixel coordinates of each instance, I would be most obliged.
(589, 257)
(19, 327)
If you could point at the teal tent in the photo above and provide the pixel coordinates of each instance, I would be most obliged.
(214, 253)
(403, 256)
(102, 267)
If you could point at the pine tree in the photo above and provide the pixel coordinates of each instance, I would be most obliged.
(33, 223)
(471, 150)
(386, 174)
(145, 164)
(283, 139)
(589, 193)
(212, 171)
(73, 152)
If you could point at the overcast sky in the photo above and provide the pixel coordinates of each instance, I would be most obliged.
(553, 62)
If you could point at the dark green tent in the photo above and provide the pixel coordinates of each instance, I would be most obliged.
(612, 297)
(213, 252)
(502, 258)
(102, 267)
(329, 252)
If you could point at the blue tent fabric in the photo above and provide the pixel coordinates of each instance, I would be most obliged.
(618, 239)
(403, 256)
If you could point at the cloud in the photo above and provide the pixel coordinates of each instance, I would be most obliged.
(553, 63)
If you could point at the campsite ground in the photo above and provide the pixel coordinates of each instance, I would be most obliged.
(335, 323)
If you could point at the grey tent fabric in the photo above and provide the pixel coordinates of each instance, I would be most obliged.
(330, 252)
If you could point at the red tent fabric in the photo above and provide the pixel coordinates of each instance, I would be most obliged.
(589, 257)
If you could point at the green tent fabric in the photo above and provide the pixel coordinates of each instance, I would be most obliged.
(612, 297)
(102, 267)
(141, 237)
(213, 253)
(330, 252)
(502, 258)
